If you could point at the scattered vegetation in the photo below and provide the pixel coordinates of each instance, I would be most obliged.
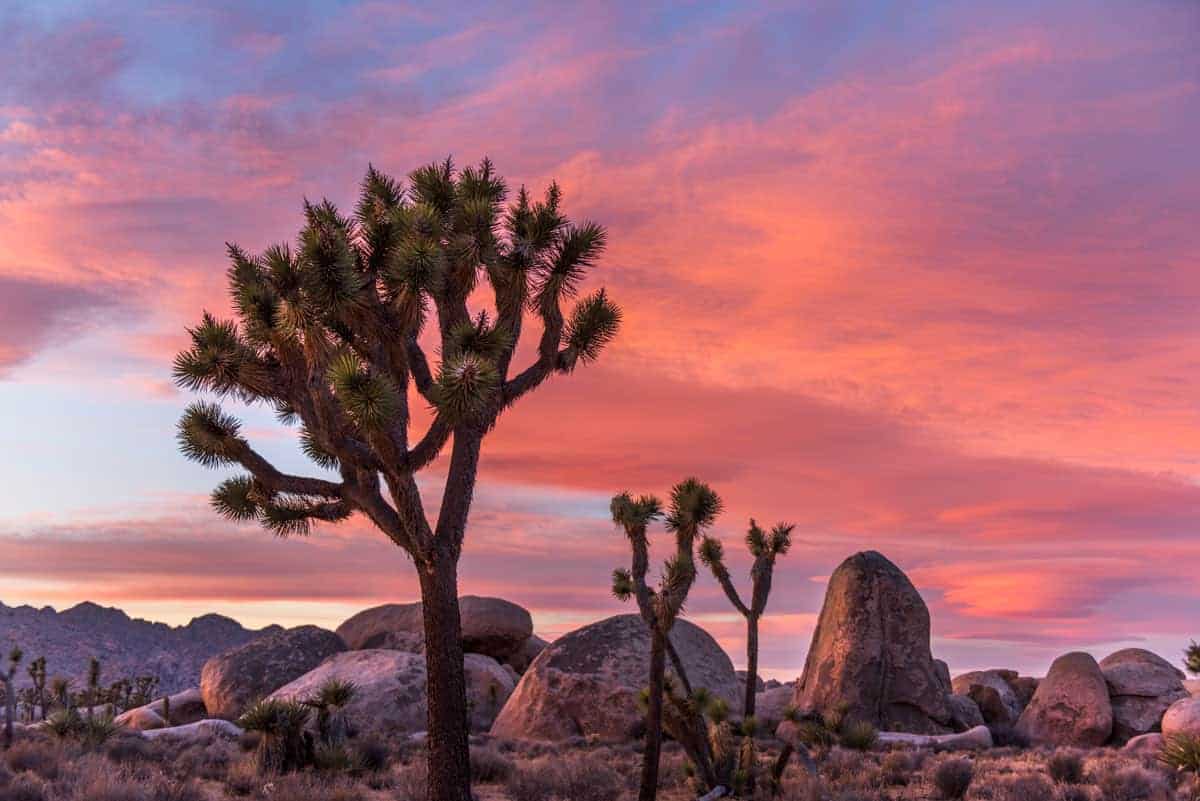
(1191, 658)
(953, 777)
(1065, 766)
(1181, 752)
(283, 746)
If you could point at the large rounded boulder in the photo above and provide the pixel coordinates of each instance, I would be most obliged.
(587, 682)
(1071, 705)
(1182, 717)
(183, 707)
(993, 693)
(870, 652)
(389, 689)
(1141, 686)
(491, 626)
(229, 682)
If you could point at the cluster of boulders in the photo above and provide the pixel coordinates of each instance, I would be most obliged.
(870, 659)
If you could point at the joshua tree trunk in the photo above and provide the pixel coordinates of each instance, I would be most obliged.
(449, 755)
(751, 663)
(654, 712)
(10, 712)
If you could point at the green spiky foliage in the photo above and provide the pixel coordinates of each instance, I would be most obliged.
(330, 701)
(422, 295)
(693, 508)
(7, 676)
(765, 547)
(283, 744)
(1181, 752)
(1191, 658)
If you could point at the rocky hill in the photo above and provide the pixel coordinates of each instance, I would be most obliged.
(125, 646)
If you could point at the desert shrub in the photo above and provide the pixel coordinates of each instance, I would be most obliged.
(1023, 788)
(858, 735)
(128, 750)
(25, 787)
(1006, 736)
(799, 788)
(5, 774)
(204, 760)
(36, 756)
(242, 779)
(1129, 783)
(953, 777)
(96, 731)
(1065, 766)
(372, 753)
(411, 781)
(489, 766)
(897, 767)
(1073, 792)
(105, 785)
(575, 777)
(335, 759)
(1181, 752)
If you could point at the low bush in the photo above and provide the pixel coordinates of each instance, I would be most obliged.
(37, 756)
(575, 776)
(25, 787)
(1030, 787)
(1130, 783)
(412, 779)
(372, 753)
(858, 735)
(489, 766)
(953, 777)
(898, 767)
(1065, 766)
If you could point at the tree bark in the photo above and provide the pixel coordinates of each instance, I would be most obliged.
(10, 711)
(654, 713)
(751, 663)
(449, 753)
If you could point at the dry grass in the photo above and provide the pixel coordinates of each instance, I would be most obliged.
(128, 769)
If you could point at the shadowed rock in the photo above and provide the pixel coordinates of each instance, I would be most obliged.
(1142, 686)
(870, 652)
(993, 693)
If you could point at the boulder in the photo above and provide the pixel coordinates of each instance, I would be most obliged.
(870, 652)
(1147, 744)
(1071, 705)
(186, 706)
(964, 713)
(389, 694)
(743, 677)
(769, 705)
(974, 739)
(586, 682)
(229, 682)
(201, 730)
(992, 693)
(523, 658)
(943, 674)
(1024, 687)
(491, 626)
(1182, 717)
(1141, 686)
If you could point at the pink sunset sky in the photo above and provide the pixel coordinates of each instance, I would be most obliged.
(925, 281)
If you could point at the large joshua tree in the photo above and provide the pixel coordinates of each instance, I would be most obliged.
(764, 548)
(8, 680)
(334, 334)
(694, 507)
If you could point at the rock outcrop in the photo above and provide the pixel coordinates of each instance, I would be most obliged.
(231, 681)
(769, 705)
(993, 693)
(389, 696)
(870, 652)
(185, 707)
(1141, 686)
(1071, 705)
(1182, 717)
(490, 626)
(977, 738)
(199, 731)
(964, 713)
(586, 682)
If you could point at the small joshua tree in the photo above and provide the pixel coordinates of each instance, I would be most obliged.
(60, 691)
(93, 685)
(7, 677)
(694, 507)
(330, 701)
(37, 674)
(283, 745)
(764, 548)
(330, 334)
(1191, 658)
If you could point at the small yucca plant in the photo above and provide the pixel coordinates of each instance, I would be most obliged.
(283, 745)
(1181, 752)
(330, 701)
(65, 723)
(1191, 658)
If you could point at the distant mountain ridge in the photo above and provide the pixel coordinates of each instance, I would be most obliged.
(126, 647)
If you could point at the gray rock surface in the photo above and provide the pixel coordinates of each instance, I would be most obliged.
(492, 626)
(233, 680)
(974, 739)
(1141, 686)
(993, 694)
(586, 682)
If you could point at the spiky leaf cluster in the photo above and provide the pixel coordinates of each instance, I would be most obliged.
(1191, 658)
(634, 514)
(694, 507)
(208, 435)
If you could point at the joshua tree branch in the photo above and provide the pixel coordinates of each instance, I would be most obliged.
(276, 481)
